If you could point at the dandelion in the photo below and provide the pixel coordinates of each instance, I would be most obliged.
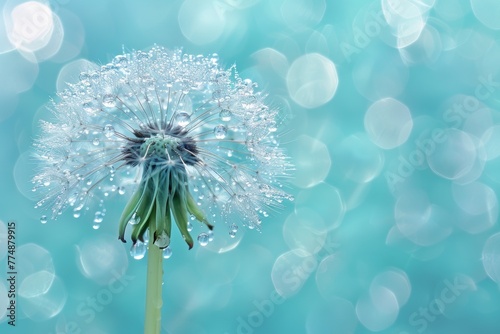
(182, 136)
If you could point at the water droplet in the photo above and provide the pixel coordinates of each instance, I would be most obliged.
(96, 226)
(108, 130)
(138, 250)
(225, 115)
(43, 219)
(109, 101)
(233, 228)
(167, 253)
(189, 226)
(134, 220)
(203, 239)
(96, 141)
(121, 190)
(88, 106)
(216, 95)
(272, 126)
(120, 60)
(232, 234)
(98, 217)
(183, 118)
(84, 78)
(210, 235)
(76, 213)
(220, 132)
(163, 240)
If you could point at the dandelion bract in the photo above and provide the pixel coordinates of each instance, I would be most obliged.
(177, 134)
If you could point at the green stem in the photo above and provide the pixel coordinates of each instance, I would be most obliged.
(153, 288)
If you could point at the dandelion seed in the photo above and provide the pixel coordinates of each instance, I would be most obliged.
(180, 135)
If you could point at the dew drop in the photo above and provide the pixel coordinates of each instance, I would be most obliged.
(109, 130)
(203, 239)
(109, 101)
(167, 253)
(43, 219)
(98, 217)
(121, 190)
(210, 235)
(138, 250)
(233, 228)
(225, 115)
(96, 141)
(96, 226)
(134, 220)
(232, 234)
(220, 132)
(189, 226)
(182, 118)
(76, 213)
(162, 240)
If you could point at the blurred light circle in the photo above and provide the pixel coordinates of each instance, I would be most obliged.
(377, 310)
(9, 102)
(388, 123)
(426, 49)
(3, 239)
(419, 220)
(34, 259)
(102, 259)
(70, 73)
(478, 205)
(4, 302)
(18, 74)
(312, 80)
(491, 257)
(395, 280)
(312, 161)
(487, 12)
(305, 229)
(31, 26)
(273, 59)
(490, 140)
(36, 284)
(74, 37)
(335, 277)
(45, 305)
(454, 156)
(475, 198)
(200, 21)
(358, 159)
(291, 270)
(23, 173)
(299, 14)
(326, 202)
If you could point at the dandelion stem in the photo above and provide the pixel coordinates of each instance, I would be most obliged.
(153, 288)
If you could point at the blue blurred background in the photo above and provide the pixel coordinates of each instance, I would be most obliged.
(391, 113)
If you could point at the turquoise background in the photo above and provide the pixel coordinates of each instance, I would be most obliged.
(395, 141)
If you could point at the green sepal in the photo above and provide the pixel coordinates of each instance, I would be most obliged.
(179, 210)
(193, 209)
(129, 211)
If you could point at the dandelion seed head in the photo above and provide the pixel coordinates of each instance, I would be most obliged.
(178, 133)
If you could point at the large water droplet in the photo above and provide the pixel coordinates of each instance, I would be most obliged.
(162, 240)
(182, 118)
(109, 101)
(43, 219)
(108, 130)
(167, 253)
(134, 220)
(220, 132)
(203, 239)
(138, 250)
(98, 217)
(225, 115)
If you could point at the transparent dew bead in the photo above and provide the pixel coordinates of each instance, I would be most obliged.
(232, 234)
(210, 235)
(134, 220)
(220, 132)
(203, 239)
(225, 115)
(162, 240)
(109, 101)
(167, 253)
(96, 141)
(138, 250)
(189, 226)
(108, 130)
(96, 226)
(121, 190)
(43, 219)
(98, 217)
(182, 118)
(233, 228)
